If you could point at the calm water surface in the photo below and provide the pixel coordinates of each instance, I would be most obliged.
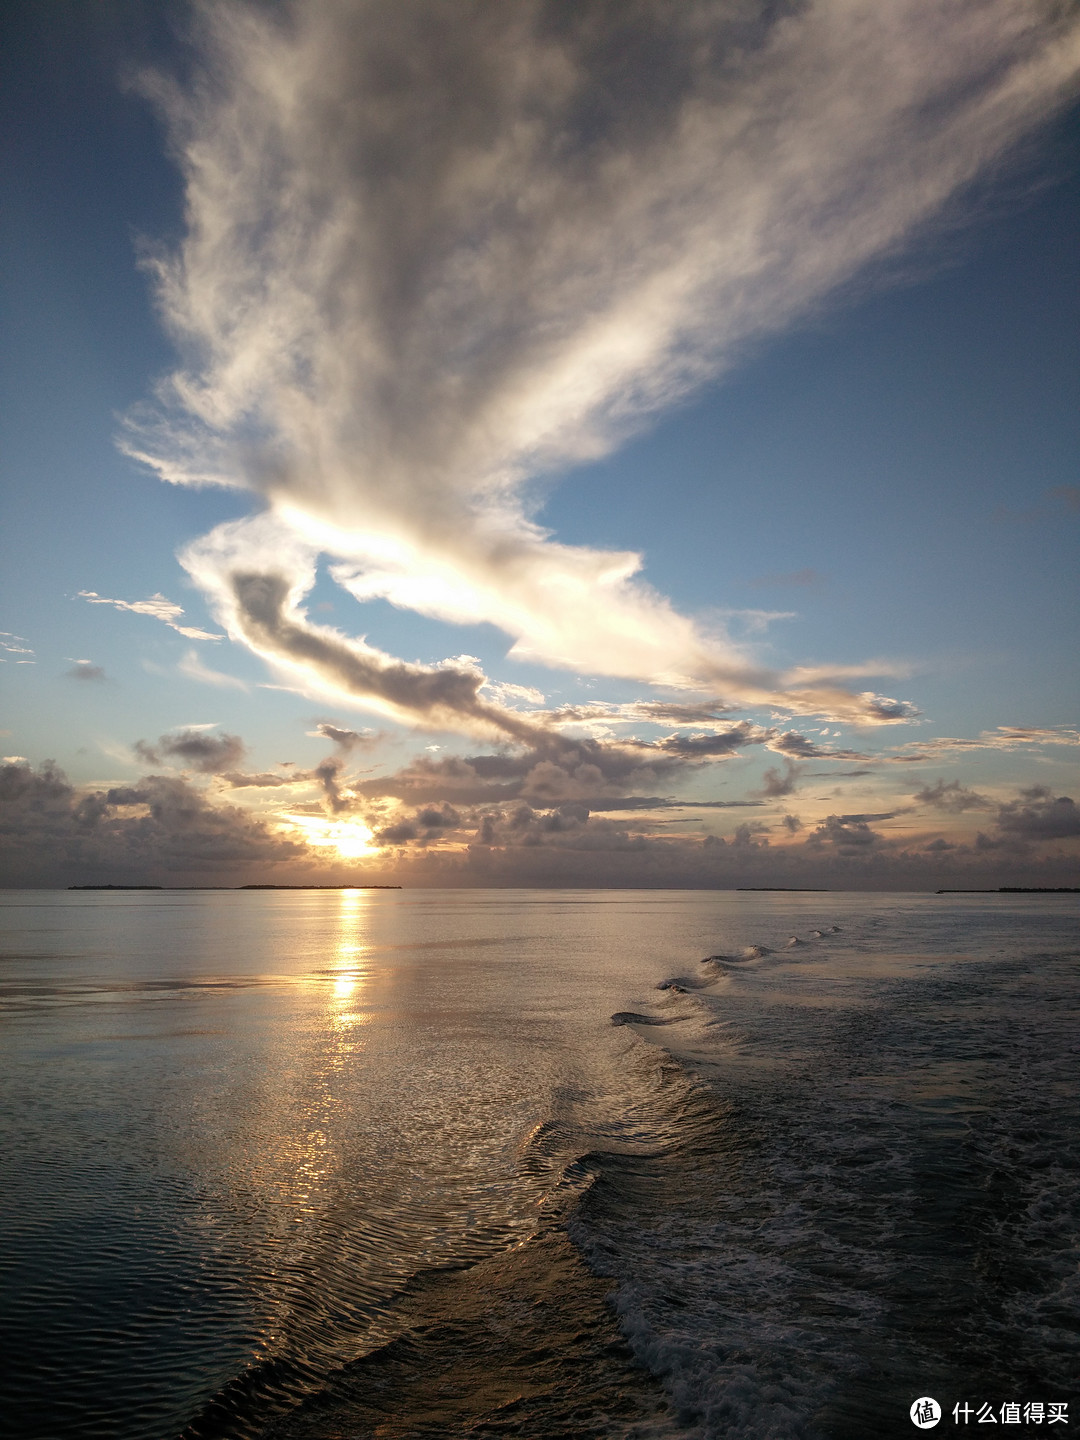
(314, 1164)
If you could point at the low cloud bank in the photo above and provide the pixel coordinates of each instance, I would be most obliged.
(159, 830)
(165, 829)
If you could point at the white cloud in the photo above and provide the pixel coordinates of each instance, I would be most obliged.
(411, 288)
(506, 693)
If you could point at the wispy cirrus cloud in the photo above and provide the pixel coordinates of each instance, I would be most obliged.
(920, 752)
(1004, 737)
(16, 645)
(158, 607)
(434, 253)
(805, 579)
(193, 668)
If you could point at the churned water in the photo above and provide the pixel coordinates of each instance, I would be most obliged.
(307, 1165)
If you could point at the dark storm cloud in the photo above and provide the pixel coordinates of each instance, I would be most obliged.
(21, 785)
(451, 778)
(266, 780)
(788, 743)
(885, 709)
(445, 817)
(867, 819)
(1038, 815)
(778, 783)
(328, 776)
(555, 768)
(719, 743)
(838, 774)
(603, 775)
(597, 775)
(194, 750)
(668, 712)
(345, 739)
(83, 670)
(800, 747)
(704, 804)
(845, 832)
(952, 797)
(522, 830)
(428, 823)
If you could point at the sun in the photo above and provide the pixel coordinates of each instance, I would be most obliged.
(354, 841)
(351, 839)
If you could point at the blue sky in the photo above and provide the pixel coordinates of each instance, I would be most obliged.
(868, 479)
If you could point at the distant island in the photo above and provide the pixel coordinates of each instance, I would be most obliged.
(1018, 890)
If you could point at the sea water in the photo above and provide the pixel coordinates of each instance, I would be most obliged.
(303, 1164)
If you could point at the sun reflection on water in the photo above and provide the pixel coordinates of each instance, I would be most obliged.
(349, 968)
(316, 1106)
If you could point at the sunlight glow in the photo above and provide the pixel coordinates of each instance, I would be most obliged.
(350, 838)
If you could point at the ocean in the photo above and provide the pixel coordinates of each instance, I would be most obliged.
(297, 1165)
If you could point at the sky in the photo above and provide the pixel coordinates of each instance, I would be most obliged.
(619, 444)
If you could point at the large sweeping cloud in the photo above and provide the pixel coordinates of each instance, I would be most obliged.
(434, 251)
